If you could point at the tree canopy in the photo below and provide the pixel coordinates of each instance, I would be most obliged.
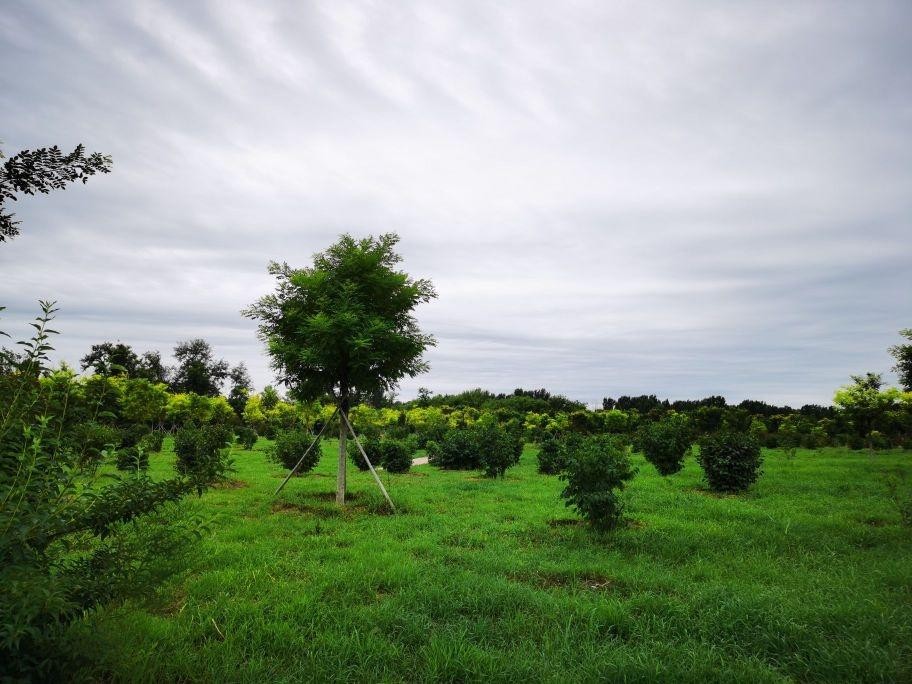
(344, 326)
(43, 170)
(197, 370)
(902, 353)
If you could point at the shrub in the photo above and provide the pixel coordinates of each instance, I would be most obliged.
(499, 449)
(153, 441)
(396, 455)
(290, 446)
(554, 452)
(202, 452)
(597, 470)
(730, 461)
(371, 446)
(246, 437)
(457, 450)
(131, 459)
(88, 441)
(130, 435)
(665, 443)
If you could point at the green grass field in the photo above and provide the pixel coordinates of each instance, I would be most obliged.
(808, 577)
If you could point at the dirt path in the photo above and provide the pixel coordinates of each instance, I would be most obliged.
(420, 461)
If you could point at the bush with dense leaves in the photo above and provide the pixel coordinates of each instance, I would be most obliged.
(202, 452)
(132, 434)
(598, 468)
(499, 448)
(290, 446)
(395, 455)
(665, 442)
(88, 441)
(730, 461)
(458, 449)
(246, 437)
(553, 453)
(153, 441)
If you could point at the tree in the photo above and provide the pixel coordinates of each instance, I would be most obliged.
(43, 170)
(864, 404)
(241, 387)
(344, 326)
(151, 368)
(197, 371)
(270, 397)
(903, 355)
(111, 358)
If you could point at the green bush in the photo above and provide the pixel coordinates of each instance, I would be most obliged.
(665, 443)
(597, 470)
(371, 446)
(88, 440)
(396, 455)
(246, 437)
(457, 450)
(552, 455)
(290, 446)
(132, 434)
(499, 448)
(131, 459)
(730, 461)
(153, 441)
(202, 452)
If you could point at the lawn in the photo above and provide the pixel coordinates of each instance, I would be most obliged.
(808, 577)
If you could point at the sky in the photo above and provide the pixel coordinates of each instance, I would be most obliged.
(677, 198)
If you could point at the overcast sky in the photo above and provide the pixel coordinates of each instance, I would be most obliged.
(611, 198)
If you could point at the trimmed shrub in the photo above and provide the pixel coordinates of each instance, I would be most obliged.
(131, 459)
(396, 455)
(665, 443)
(730, 461)
(457, 450)
(371, 447)
(552, 455)
(597, 469)
(153, 441)
(499, 449)
(246, 437)
(290, 446)
(202, 452)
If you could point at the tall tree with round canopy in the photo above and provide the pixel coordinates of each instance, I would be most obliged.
(344, 326)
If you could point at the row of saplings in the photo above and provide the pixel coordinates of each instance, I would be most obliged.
(596, 469)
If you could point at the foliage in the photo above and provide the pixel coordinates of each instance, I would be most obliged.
(865, 404)
(241, 387)
(67, 542)
(153, 441)
(131, 458)
(142, 401)
(246, 437)
(203, 453)
(497, 447)
(665, 442)
(345, 324)
(88, 441)
(290, 447)
(597, 471)
(458, 449)
(197, 371)
(111, 358)
(43, 170)
(552, 455)
(730, 460)
(902, 354)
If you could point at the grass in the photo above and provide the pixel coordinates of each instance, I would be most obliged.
(808, 577)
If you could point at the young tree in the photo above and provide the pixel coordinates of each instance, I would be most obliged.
(197, 371)
(241, 387)
(903, 355)
(151, 368)
(344, 326)
(43, 170)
